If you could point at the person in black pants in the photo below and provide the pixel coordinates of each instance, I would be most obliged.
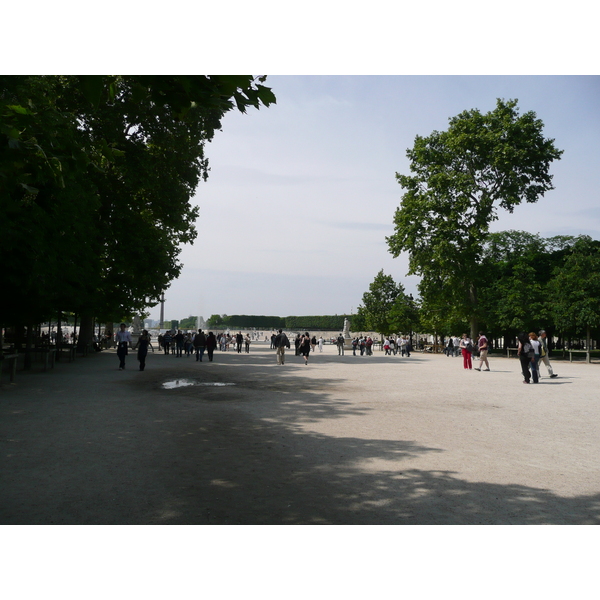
(179, 343)
(525, 352)
(211, 344)
(199, 344)
(123, 339)
(142, 346)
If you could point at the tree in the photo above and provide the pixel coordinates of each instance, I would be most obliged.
(404, 313)
(188, 323)
(460, 178)
(376, 310)
(575, 289)
(516, 268)
(214, 321)
(97, 174)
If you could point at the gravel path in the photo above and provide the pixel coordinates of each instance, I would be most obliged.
(344, 440)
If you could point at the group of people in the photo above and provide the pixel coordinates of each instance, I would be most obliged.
(532, 350)
(197, 343)
(392, 345)
(237, 341)
(481, 345)
(303, 345)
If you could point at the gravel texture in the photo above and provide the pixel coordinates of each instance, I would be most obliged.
(344, 440)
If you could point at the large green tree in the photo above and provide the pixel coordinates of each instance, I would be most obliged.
(385, 306)
(97, 174)
(459, 180)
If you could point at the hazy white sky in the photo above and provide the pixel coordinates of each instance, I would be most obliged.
(301, 195)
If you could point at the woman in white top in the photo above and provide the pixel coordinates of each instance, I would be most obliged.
(465, 347)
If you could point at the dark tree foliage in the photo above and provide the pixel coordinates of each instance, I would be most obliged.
(96, 177)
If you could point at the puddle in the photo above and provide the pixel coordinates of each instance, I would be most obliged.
(179, 383)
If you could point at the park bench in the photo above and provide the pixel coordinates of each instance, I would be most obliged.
(69, 349)
(571, 352)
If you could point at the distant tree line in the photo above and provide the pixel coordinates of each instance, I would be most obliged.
(307, 323)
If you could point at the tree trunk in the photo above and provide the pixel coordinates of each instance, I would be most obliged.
(473, 319)
(58, 335)
(28, 346)
(86, 331)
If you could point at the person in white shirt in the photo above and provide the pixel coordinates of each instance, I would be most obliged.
(544, 354)
(123, 339)
(456, 342)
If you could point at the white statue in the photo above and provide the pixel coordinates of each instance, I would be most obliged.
(346, 328)
(137, 325)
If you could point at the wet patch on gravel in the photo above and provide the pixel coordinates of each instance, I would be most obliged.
(180, 383)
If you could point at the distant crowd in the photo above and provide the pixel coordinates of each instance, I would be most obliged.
(532, 349)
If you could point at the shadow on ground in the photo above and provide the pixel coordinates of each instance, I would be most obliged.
(199, 456)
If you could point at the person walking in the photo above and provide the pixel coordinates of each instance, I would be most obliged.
(449, 350)
(543, 339)
(525, 354)
(179, 339)
(281, 343)
(321, 343)
(465, 347)
(211, 344)
(187, 344)
(340, 345)
(142, 347)
(199, 343)
(167, 338)
(535, 344)
(456, 343)
(304, 347)
(483, 351)
(123, 339)
(239, 340)
(247, 343)
(403, 342)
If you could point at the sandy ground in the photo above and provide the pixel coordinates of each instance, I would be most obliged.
(344, 440)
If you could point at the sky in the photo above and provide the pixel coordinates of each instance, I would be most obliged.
(301, 195)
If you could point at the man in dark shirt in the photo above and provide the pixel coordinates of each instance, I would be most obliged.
(281, 343)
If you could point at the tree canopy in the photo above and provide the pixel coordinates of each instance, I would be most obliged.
(96, 178)
(385, 307)
(460, 179)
